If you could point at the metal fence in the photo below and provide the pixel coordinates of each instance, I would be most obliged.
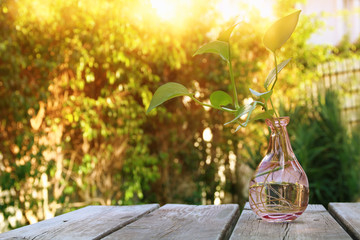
(343, 76)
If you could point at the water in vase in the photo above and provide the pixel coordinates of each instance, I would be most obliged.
(278, 201)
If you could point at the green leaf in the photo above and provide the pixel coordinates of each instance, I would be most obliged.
(217, 47)
(220, 98)
(263, 115)
(280, 31)
(264, 95)
(253, 106)
(241, 112)
(251, 109)
(238, 128)
(225, 36)
(271, 76)
(228, 108)
(166, 92)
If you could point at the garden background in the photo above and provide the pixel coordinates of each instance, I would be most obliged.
(76, 78)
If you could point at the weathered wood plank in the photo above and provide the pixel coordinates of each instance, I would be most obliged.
(175, 221)
(92, 222)
(348, 215)
(314, 223)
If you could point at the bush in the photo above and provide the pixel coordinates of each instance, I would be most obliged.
(327, 151)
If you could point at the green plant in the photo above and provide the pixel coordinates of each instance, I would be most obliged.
(328, 153)
(274, 38)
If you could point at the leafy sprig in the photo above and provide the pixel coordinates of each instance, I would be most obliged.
(274, 38)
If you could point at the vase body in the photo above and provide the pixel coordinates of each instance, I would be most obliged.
(279, 188)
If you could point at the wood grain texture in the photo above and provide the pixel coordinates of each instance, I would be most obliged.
(175, 221)
(314, 223)
(348, 215)
(92, 222)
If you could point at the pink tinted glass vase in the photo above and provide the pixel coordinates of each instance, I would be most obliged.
(279, 188)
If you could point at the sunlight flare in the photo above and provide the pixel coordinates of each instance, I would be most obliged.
(231, 9)
(207, 135)
(164, 8)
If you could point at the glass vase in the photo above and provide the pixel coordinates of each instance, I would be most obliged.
(279, 188)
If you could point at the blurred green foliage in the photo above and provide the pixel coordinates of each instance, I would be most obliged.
(76, 78)
(329, 153)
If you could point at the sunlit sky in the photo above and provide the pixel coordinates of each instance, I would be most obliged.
(167, 9)
(330, 11)
(340, 17)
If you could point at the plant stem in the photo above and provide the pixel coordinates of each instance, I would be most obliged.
(281, 132)
(211, 106)
(276, 78)
(276, 72)
(261, 104)
(233, 81)
(272, 105)
(269, 171)
(204, 104)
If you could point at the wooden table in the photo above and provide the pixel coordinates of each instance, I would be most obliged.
(348, 215)
(176, 221)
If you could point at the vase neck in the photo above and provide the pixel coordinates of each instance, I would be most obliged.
(279, 140)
